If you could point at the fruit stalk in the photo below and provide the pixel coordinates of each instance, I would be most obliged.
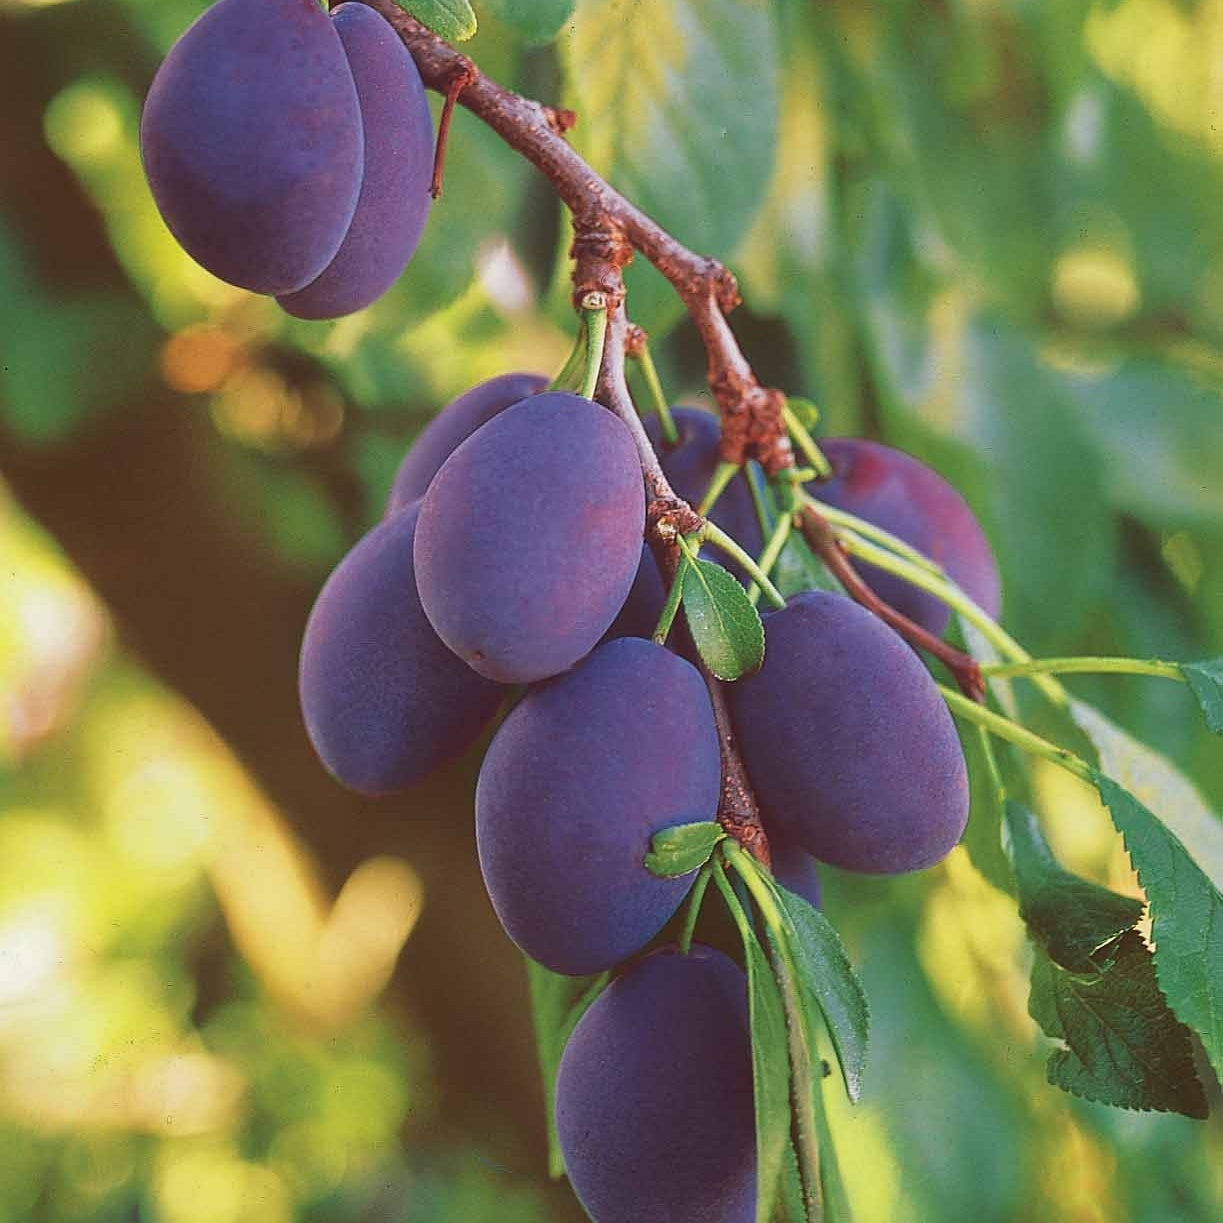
(753, 426)
(818, 533)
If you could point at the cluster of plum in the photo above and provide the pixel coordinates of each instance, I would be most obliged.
(511, 553)
(290, 152)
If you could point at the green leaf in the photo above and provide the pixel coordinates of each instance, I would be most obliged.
(1071, 917)
(1187, 918)
(677, 105)
(533, 20)
(683, 848)
(451, 19)
(1206, 680)
(725, 626)
(827, 978)
(770, 1059)
(1155, 781)
(798, 569)
(1124, 1046)
(557, 1003)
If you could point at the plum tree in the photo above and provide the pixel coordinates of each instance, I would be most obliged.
(895, 491)
(384, 701)
(455, 423)
(654, 1104)
(530, 537)
(252, 142)
(848, 743)
(394, 201)
(579, 777)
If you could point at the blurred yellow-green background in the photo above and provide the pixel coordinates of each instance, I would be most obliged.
(990, 231)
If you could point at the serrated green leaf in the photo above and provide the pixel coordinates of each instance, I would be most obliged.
(1071, 917)
(683, 848)
(450, 19)
(827, 978)
(725, 627)
(1206, 680)
(532, 20)
(1187, 918)
(557, 1003)
(1156, 782)
(1124, 1046)
(770, 1059)
(677, 104)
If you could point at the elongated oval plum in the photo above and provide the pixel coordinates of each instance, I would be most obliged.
(638, 617)
(690, 463)
(849, 745)
(794, 868)
(394, 201)
(579, 777)
(895, 491)
(530, 536)
(385, 703)
(455, 423)
(654, 1106)
(253, 144)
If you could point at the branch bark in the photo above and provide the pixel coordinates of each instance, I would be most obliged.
(752, 425)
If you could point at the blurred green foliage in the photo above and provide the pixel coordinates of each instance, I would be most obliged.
(984, 230)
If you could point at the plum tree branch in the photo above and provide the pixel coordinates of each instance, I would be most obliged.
(752, 415)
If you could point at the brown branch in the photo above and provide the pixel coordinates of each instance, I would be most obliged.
(819, 534)
(738, 810)
(751, 414)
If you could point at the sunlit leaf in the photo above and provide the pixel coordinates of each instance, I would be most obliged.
(1187, 918)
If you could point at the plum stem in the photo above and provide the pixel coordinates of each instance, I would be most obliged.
(594, 326)
(723, 474)
(807, 444)
(752, 415)
(772, 550)
(820, 536)
(460, 73)
(638, 350)
(695, 897)
(725, 543)
(1084, 666)
(1028, 740)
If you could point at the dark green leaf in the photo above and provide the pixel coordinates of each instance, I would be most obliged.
(770, 1059)
(532, 20)
(683, 848)
(678, 107)
(827, 978)
(1071, 917)
(1155, 781)
(1124, 1046)
(725, 626)
(557, 1003)
(1206, 680)
(452, 19)
(1187, 918)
